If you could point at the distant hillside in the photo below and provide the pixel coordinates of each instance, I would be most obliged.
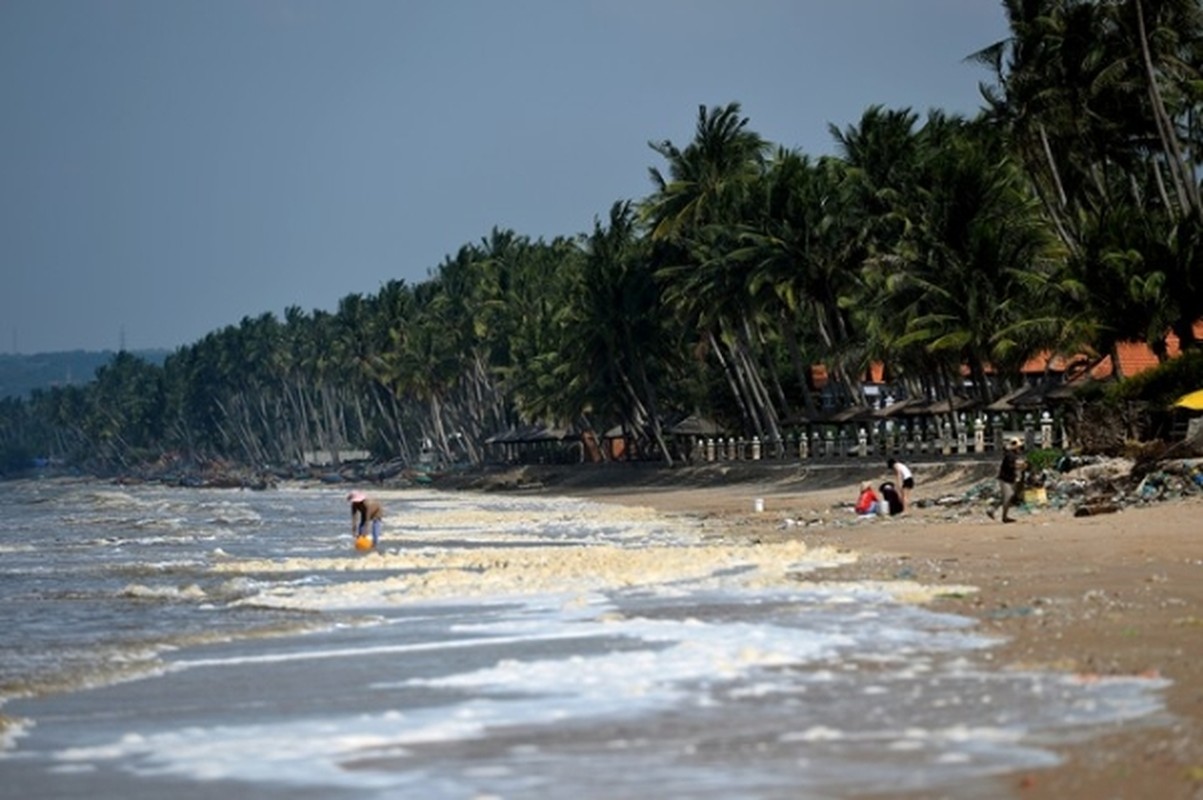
(21, 374)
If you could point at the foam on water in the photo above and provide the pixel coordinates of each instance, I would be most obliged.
(682, 680)
(498, 571)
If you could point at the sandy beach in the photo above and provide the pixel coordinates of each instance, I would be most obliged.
(1112, 594)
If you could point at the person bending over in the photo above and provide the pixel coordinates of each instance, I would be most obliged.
(363, 511)
(905, 480)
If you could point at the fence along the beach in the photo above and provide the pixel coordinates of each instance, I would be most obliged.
(876, 439)
(866, 436)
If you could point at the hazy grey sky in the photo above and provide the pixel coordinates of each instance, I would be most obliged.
(168, 167)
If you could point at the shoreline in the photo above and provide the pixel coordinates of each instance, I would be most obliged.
(1117, 594)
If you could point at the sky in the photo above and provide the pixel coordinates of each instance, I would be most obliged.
(169, 167)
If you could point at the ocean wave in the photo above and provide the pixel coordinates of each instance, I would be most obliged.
(159, 568)
(27, 546)
(72, 670)
(229, 514)
(11, 729)
(192, 592)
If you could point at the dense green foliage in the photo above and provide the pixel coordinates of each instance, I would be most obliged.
(1065, 218)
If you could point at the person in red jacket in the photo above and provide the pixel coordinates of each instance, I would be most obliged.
(868, 504)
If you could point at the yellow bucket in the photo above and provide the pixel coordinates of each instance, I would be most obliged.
(1036, 496)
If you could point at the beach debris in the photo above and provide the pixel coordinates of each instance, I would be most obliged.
(797, 522)
(1093, 509)
(1152, 486)
(1086, 486)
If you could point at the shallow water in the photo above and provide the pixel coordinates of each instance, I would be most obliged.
(182, 642)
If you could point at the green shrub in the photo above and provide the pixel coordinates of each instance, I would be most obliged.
(1040, 460)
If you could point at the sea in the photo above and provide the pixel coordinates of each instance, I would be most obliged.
(204, 643)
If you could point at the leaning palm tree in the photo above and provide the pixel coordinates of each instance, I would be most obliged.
(620, 356)
(696, 216)
(818, 224)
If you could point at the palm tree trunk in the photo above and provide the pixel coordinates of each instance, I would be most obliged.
(1185, 186)
(649, 390)
(717, 348)
(790, 337)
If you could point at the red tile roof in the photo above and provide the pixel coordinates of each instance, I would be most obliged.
(1134, 358)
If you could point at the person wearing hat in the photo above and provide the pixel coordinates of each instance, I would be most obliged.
(1008, 476)
(867, 503)
(364, 511)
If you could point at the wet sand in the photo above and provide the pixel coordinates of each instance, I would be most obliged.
(1113, 594)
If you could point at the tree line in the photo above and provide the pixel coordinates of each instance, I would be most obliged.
(1065, 217)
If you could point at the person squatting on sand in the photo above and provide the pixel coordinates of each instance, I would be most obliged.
(1008, 477)
(364, 511)
(905, 480)
(868, 504)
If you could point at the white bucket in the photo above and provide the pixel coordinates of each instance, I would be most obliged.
(758, 505)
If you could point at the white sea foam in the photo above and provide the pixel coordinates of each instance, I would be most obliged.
(668, 665)
(309, 753)
(690, 651)
(12, 729)
(414, 576)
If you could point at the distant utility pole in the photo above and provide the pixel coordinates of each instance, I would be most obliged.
(14, 340)
(121, 340)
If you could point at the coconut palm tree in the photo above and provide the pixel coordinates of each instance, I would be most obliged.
(620, 355)
(961, 276)
(696, 216)
(1100, 102)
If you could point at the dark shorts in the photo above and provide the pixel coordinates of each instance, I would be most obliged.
(908, 483)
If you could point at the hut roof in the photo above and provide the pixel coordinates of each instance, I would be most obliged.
(1011, 400)
(695, 425)
(1030, 397)
(524, 434)
(946, 406)
(850, 414)
(898, 408)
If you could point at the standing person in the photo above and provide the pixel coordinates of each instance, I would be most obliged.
(905, 479)
(364, 511)
(1008, 476)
